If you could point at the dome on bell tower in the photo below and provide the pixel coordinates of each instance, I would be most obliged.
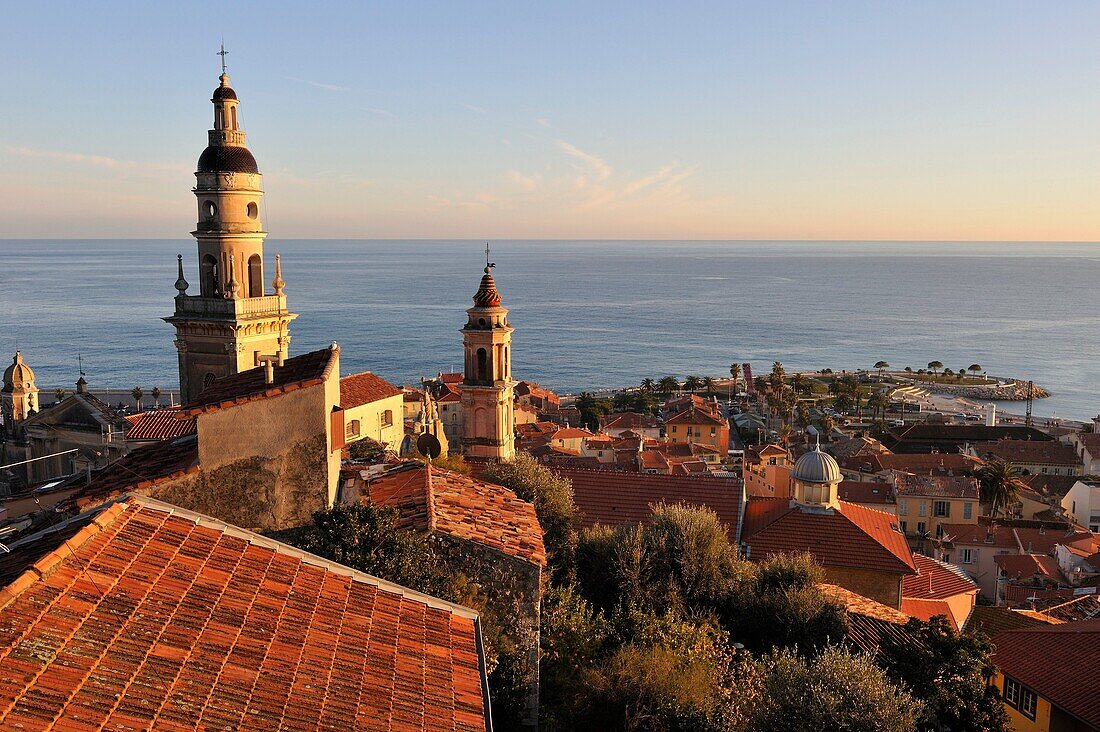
(487, 295)
(18, 377)
(817, 467)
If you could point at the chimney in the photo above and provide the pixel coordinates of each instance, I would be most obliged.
(269, 371)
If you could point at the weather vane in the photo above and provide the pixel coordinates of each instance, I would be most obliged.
(488, 265)
(223, 53)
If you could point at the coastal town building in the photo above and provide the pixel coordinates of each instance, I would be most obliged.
(487, 391)
(372, 408)
(938, 588)
(701, 426)
(766, 471)
(1087, 447)
(925, 503)
(1082, 504)
(139, 614)
(620, 422)
(232, 324)
(928, 437)
(1030, 457)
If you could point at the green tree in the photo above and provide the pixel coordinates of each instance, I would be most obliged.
(692, 383)
(649, 386)
(934, 366)
(950, 673)
(667, 386)
(777, 377)
(156, 396)
(137, 394)
(552, 496)
(975, 368)
(878, 402)
(1000, 484)
(760, 384)
(708, 385)
(735, 373)
(838, 690)
(881, 366)
(828, 424)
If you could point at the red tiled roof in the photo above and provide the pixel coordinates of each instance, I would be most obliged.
(455, 377)
(869, 622)
(992, 619)
(570, 433)
(364, 388)
(160, 424)
(1029, 452)
(926, 609)
(155, 617)
(695, 416)
(1026, 566)
(451, 395)
(612, 497)
(1058, 662)
(430, 499)
(1091, 442)
(935, 580)
(855, 491)
(919, 464)
(1080, 608)
(853, 536)
(937, 486)
(855, 603)
(141, 468)
(1023, 536)
(295, 373)
(629, 421)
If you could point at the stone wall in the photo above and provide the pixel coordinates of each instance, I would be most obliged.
(268, 493)
(885, 587)
(510, 592)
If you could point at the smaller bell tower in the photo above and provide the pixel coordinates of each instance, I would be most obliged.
(487, 390)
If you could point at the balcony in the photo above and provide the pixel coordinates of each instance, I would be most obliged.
(218, 308)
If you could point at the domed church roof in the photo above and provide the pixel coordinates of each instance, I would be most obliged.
(224, 92)
(487, 296)
(18, 376)
(817, 467)
(227, 159)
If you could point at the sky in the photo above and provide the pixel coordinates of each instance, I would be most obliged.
(522, 120)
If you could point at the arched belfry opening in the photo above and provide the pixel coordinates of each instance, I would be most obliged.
(482, 365)
(209, 283)
(255, 276)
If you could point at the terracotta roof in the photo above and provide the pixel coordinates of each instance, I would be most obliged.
(155, 617)
(1091, 441)
(962, 433)
(454, 377)
(1043, 658)
(919, 464)
(141, 468)
(855, 491)
(864, 605)
(992, 619)
(570, 433)
(935, 580)
(612, 497)
(1024, 536)
(364, 388)
(854, 536)
(1084, 607)
(629, 421)
(1051, 485)
(861, 445)
(160, 424)
(696, 416)
(431, 499)
(937, 486)
(869, 622)
(451, 395)
(1029, 452)
(295, 373)
(1026, 566)
(925, 609)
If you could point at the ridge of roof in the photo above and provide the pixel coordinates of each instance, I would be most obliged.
(297, 372)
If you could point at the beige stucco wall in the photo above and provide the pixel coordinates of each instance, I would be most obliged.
(370, 421)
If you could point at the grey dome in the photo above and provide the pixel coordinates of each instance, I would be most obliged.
(817, 467)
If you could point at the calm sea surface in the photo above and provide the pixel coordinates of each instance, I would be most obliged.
(590, 313)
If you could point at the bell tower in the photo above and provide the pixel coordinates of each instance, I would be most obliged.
(232, 322)
(487, 390)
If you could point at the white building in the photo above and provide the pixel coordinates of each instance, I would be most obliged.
(1082, 504)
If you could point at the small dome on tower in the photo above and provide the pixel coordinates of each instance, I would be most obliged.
(224, 91)
(18, 376)
(227, 159)
(816, 467)
(487, 296)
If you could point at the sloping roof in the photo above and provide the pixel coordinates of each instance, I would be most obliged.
(1029, 452)
(571, 433)
(1026, 566)
(869, 622)
(935, 580)
(1051, 485)
(854, 536)
(160, 424)
(960, 433)
(937, 486)
(855, 491)
(629, 421)
(1044, 658)
(696, 416)
(1080, 608)
(992, 619)
(359, 389)
(917, 463)
(861, 445)
(925, 609)
(1034, 537)
(430, 499)
(155, 617)
(612, 498)
(295, 373)
(855, 603)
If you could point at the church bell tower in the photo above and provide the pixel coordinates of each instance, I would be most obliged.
(487, 391)
(232, 322)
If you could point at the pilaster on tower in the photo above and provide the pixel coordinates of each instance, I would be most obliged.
(487, 390)
(232, 321)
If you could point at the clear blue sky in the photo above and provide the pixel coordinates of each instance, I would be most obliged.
(932, 120)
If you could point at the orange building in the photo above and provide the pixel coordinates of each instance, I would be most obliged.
(698, 425)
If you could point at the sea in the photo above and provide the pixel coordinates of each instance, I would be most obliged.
(590, 314)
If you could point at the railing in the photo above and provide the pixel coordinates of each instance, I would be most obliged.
(218, 307)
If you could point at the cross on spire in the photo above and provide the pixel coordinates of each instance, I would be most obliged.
(488, 265)
(223, 53)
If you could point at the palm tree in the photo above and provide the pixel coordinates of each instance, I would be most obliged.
(708, 384)
(933, 366)
(828, 424)
(785, 433)
(878, 402)
(760, 384)
(882, 366)
(667, 385)
(1000, 484)
(59, 393)
(648, 385)
(156, 396)
(777, 376)
(137, 394)
(975, 368)
(735, 373)
(692, 383)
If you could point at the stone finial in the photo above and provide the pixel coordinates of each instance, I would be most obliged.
(232, 288)
(278, 282)
(181, 283)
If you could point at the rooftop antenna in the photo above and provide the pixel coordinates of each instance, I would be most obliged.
(223, 53)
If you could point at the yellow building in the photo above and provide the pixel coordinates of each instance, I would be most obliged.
(374, 408)
(1046, 676)
(766, 471)
(700, 426)
(927, 502)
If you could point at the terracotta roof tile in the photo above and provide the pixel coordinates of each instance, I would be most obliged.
(1044, 658)
(1026, 566)
(696, 416)
(925, 609)
(855, 491)
(141, 468)
(919, 464)
(160, 424)
(1080, 608)
(992, 619)
(938, 486)
(295, 373)
(613, 497)
(853, 536)
(1031, 452)
(870, 621)
(364, 388)
(430, 499)
(153, 617)
(629, 421)
(935, 580)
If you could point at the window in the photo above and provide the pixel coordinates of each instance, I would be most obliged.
(1012, 692)
(968, 510)
(209, 285)
(941, 509)
(1027, 702)
(968, 556)
(387, 418)
(233, 116)
(352, 429)
(209, 209)
(482, 364)
(903, 508)
(1019, 696)
(904, 527)
(253, 210)
(920, 527)
(922, 508)
(255, 276)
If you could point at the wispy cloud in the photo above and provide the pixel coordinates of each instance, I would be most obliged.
(473, 108)
(542, 122)
(599, 168)
(523, 182)
(382, 112)
(321, 84)
(90, 159)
